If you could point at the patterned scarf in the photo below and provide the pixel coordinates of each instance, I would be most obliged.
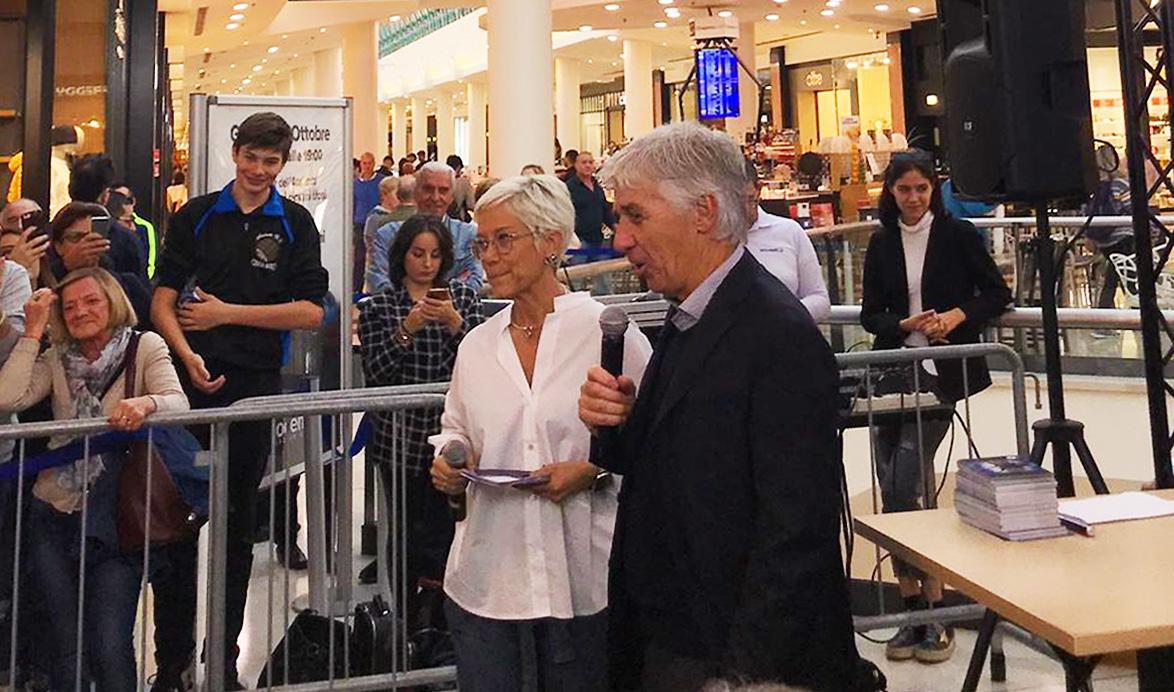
(87, 382)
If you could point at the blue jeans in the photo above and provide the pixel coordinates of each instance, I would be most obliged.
(528, 655)
(111, 597)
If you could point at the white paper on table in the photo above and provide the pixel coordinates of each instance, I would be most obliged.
(1103, 509)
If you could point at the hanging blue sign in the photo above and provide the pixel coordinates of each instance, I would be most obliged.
(717, 83)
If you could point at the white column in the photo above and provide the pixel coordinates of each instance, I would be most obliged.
(567, 79)
(399, 129)
(637, 88)
(384, 128)
(419, 123)
(303, 81)
(446, 129)
(475, 93)
(291, 86)
(521, 114)
(360, 60)
(747, 89)
(328, 72)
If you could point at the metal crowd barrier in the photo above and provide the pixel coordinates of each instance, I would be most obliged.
(331, 594)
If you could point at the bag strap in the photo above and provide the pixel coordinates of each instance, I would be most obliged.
(128, 364)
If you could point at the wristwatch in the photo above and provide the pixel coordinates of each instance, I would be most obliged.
(402, 337)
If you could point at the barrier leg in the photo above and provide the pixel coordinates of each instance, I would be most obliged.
(990, 621)
(217, 560)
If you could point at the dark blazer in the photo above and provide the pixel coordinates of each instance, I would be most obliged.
(958, 273)
(731, 494)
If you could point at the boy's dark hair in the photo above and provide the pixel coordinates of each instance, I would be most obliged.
(265, 131)
(90, 176)
(406, 235)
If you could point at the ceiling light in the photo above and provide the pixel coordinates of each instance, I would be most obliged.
(725, 13)
(322, 30)
(851, 65)
(611, 7)
(660, 25)
(614, 63)
(207, 50)
(827, 13)
(613, 38)
(272, 50)
(803, 22)
(232, 66)
(241, 6)
(284, 36)
(837, 26)
(246, 81)
(224, 81)
(245, 43)
(772, 18)
(257, 68)
(779, 2)
(295, 55)
(931, 99)
(672, 12)
(665, 2)
(394, 18)
(232, 26)
(585, 27)
(914, 10)
(881, 8)
(887, 60)
(236, 17)
(264, 60)
(832, 3)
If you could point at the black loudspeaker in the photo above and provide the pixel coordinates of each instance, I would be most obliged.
(1018, 112)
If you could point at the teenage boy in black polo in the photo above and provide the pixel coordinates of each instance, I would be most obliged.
(239, 270)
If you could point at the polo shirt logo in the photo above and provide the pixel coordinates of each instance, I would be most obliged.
(266, 251)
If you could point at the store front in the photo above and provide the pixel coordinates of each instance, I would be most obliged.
(830, 98)
(83, 95)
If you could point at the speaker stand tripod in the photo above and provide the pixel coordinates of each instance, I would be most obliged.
(1058, 432)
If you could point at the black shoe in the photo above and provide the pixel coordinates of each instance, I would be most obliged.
(904, 644)
(232, 682)
(370, 573)
(937, 646)
(293, 558)
(168, 681)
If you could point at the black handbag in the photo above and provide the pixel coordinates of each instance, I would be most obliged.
(373, 644)
(308, 644)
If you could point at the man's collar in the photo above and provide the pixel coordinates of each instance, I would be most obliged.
(226, 203)
(690, 310)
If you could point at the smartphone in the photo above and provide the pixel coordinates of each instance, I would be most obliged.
(100, 225)
(441, 294)
(34, 219)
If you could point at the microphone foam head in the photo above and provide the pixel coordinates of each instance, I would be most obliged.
(455, 454)
(613, 321)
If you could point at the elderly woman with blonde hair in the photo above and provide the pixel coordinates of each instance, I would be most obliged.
(526, 579)
(72, 517)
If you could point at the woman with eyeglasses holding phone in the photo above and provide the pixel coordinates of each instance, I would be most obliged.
(527, 574)
(409, 334)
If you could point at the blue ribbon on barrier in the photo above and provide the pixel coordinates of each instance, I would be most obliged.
(362, 435)
(106, 443)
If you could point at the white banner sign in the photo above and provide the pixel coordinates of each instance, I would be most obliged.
(316, 176)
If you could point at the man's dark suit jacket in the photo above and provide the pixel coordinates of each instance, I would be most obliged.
(958, 273)
(731, 494)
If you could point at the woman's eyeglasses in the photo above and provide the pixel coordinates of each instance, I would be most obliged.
(503, 242)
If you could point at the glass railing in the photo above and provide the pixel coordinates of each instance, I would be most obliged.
(417, 25)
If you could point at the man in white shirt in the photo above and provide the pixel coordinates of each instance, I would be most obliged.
(726, 557)
(782, 246)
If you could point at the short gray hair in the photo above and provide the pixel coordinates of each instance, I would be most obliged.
(687, 162)
(407, 188)
(438, 168)
(540, 202)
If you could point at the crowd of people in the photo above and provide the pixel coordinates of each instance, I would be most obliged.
(676, 529)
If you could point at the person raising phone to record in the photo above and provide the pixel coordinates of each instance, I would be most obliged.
(409, 333)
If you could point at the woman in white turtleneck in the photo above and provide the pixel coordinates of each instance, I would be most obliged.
(928, 280)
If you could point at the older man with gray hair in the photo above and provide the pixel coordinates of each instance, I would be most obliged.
(434, 195)
(726, 559)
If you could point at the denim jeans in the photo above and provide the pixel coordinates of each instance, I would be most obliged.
(529, 655)
(110, 602)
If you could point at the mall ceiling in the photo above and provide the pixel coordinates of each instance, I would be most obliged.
(216, 45)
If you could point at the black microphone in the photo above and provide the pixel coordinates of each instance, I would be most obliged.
(613, 322)
(456, 455)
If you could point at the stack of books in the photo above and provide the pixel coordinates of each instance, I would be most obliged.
(1009, 497)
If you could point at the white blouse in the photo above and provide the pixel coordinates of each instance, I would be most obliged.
(782, 246)
(518, 556)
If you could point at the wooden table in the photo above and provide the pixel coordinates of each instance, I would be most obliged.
(1085, 596)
